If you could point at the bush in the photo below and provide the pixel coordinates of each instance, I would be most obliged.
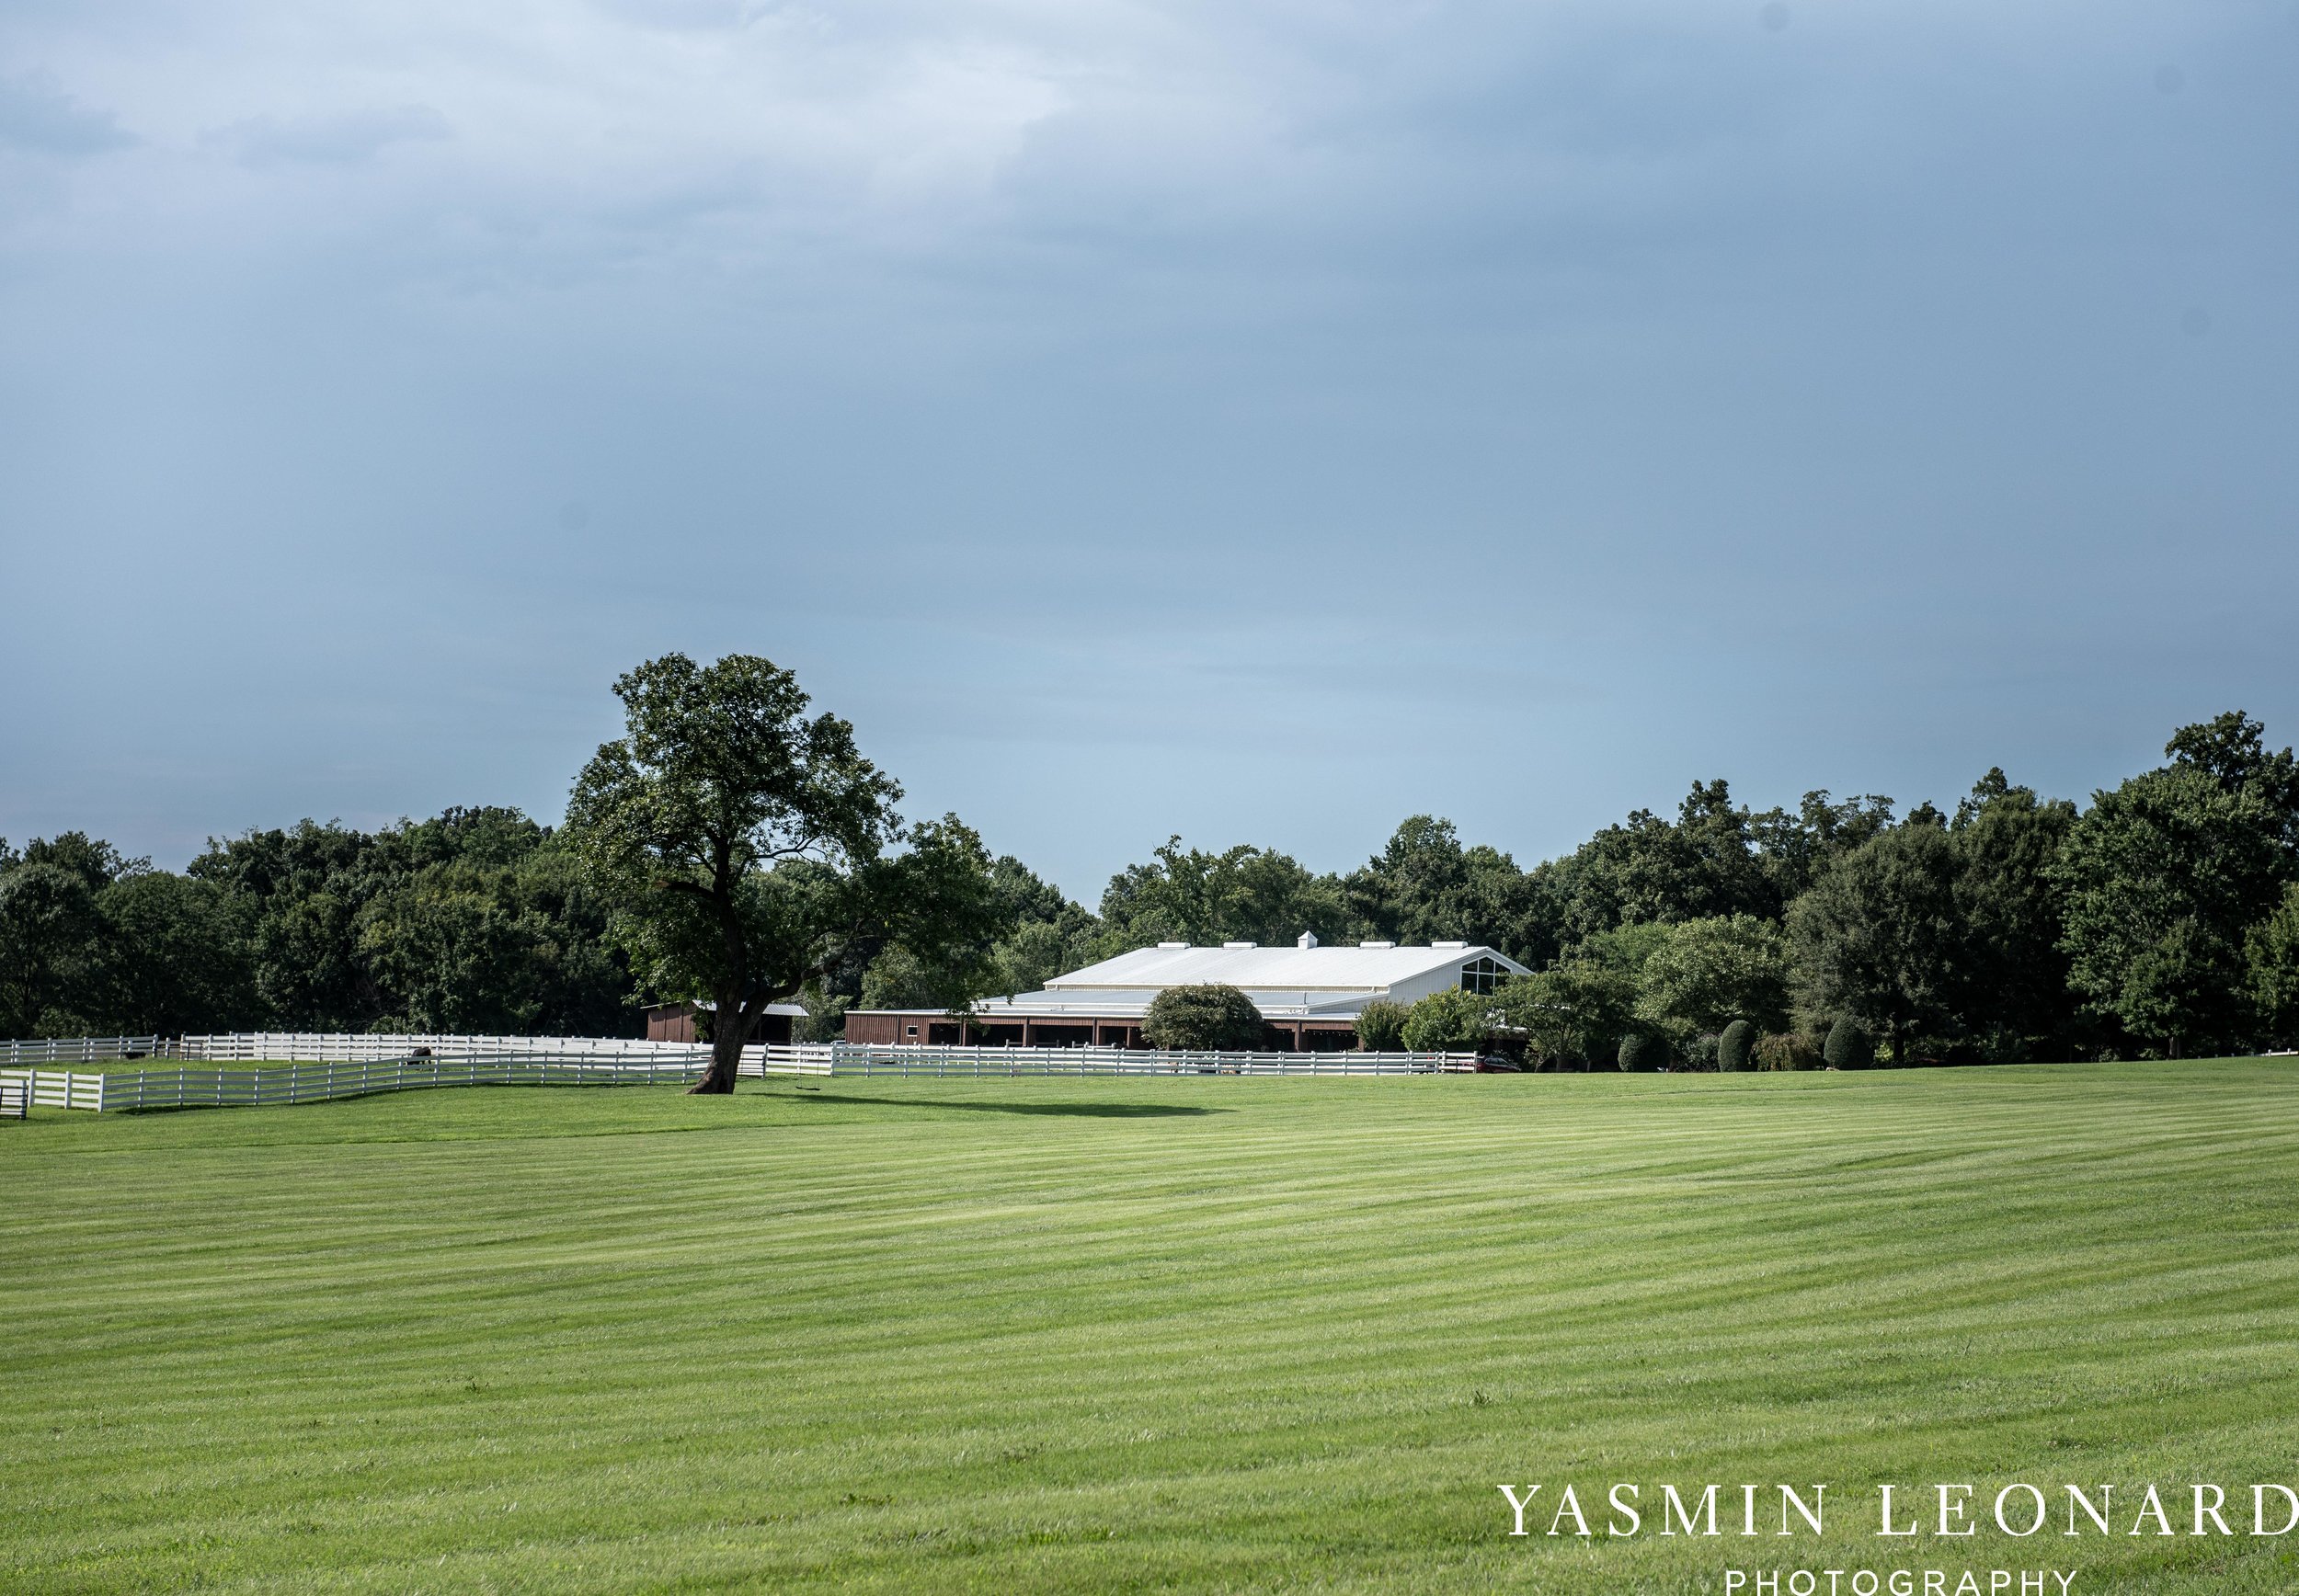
(1381, 1026)
(1209, 1019)
(1644, 1054)
(1789, 1050)
(1848, 1046)
(1736, 1046)
(1451, 1021)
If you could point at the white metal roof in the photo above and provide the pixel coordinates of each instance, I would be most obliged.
(1284, 983)
(1328, 970)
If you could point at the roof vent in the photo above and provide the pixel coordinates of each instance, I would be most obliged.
(1306, 939)
(1449, 945)
(1236, 947)
(1377, 944)
(1169, 947)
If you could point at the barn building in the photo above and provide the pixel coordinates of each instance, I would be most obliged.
(1309, 996)
(675, 1021)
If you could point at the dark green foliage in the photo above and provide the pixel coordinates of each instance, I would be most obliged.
(178, 957)
(1449, 1022)
(1848, 1046)
(1707, 973)
(1736, 1047)
(2011, 1000)
(475, 921)
(1051, 934)
(2164, 877)
(2157, 920)
(1789, 1050)
(1425, 887)
(1208, 1018)
(2271, 966)
(2232, 750)
(1381, 1026)
(1879, 937)
(52, 950)
(749, 851)
(1571, 1016)
(94, 942)
(1642, 1053)
(1252, 894)
(1716, 859)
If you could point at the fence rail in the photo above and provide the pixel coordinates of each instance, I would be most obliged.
(191, 1086)
(847, 1058)
(80, 1050)
(53, 1089)
(354, 1047)
(283, 1076)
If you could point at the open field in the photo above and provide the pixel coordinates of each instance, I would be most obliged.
(1086, 1335)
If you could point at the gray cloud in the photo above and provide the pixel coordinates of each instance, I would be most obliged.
(1591, 396)
(329, 138)
(36, 114)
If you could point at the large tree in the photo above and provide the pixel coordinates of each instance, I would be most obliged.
(1425, 885)
(176, 954)
(1711, 972)
(2271, 957)
(2012, 1000)
(1244, 893)
(1879, 939)
(1571, 1015)
(2164, 878)
(50, 949)
(746, 849)
(1717, 859)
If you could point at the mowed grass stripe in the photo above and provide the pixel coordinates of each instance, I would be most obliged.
(1106, 1334)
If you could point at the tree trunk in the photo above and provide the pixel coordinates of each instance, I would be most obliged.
(731, 1024)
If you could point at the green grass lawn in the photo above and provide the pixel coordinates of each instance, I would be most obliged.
(1161, 1334)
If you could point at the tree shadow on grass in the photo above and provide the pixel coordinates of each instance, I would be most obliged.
(1064, 1111)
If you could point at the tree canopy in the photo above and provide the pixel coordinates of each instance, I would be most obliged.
(2159, 918)
(748, 849)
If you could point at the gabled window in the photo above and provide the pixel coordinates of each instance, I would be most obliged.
(1482, 975)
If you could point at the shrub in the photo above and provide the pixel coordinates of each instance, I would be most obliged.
(1381, 1026)
(1451, 1021)
(1644, 1054)
(1209, 1019)
(1848, 1046)
(1736, 1046)
(1790, 1050)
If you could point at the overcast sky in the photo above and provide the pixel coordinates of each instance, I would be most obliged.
(1255, 421)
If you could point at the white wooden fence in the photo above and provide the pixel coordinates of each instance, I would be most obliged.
(846, 1058)
(53, 1089)
(288, 1074)
(352, 1047)
(80, 1050)
(193, 1086)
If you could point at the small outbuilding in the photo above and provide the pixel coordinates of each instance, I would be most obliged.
(675, 1021)
(1309, 996)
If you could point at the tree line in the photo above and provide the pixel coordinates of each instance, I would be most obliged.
(733, 848)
